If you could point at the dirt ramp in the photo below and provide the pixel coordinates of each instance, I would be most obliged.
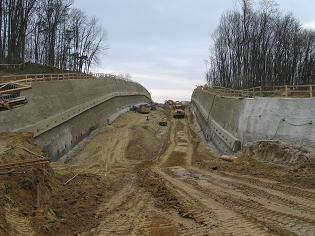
(147, 139)
(143, 146)
(275, 152)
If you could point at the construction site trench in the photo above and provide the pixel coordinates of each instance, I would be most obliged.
(135, 177)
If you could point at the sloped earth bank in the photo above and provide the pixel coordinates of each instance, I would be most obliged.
(137, 178)
(279, 153)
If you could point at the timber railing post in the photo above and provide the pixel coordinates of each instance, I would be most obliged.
(311, 90)
(286, 92)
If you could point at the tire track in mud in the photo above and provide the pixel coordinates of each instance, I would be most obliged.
(167, 195)
(132, 210)
(253, 191)
(275, 216)
(19, 225)
(227, 221)
(294, 191)
(276, 211)
(122, 213)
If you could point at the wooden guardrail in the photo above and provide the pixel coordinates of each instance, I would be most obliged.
(301, 91)
(63, 76)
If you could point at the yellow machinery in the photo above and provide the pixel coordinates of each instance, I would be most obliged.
(178, 113)
(163, 122)
(144, 109)
(179, 110)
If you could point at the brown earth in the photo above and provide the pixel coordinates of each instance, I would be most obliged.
(138, 178)
(279, 153)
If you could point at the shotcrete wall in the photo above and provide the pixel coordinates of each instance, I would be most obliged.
(230, 123)
(61, 113)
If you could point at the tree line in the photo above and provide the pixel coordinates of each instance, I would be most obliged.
(49, 32)
(258, 46)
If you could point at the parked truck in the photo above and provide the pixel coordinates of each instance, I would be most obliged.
(179, 110)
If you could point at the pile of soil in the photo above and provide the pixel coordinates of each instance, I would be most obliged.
(143, 146)
(147, 139)
(34, 200)
(14, 146)
(152, 182)
(24, 191)
(279, 153)
(245, 164)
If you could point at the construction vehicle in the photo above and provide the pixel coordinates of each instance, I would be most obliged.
(179, 110)
(178, 113)
(179, 105)
(144, 109)
(163, 122)
(153, 106)
(169, 103)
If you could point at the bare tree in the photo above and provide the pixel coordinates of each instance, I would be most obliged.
(254, 47)
(49, 32)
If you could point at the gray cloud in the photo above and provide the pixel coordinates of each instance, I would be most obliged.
(163, 43)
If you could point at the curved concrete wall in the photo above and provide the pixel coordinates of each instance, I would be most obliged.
(61, 113)
(231, 123)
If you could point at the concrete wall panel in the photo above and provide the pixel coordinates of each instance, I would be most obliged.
(245, 120)
(61, 113)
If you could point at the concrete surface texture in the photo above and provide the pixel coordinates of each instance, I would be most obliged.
(61, 113)
(234, 122)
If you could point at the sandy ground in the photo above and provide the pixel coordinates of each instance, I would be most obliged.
(138, 178)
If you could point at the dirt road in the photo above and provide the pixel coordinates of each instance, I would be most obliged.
(165, 181)
(135, 177)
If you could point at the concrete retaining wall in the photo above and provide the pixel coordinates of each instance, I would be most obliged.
(231, 123)
(62, 113)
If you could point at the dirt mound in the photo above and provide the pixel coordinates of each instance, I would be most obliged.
(15, 147)
(276, 152)
(25, 189)
(165, 196)
(143, 146)
(147, 140)
(155, 184)
(35, 200)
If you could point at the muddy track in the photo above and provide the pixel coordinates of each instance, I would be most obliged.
(274, 185)
(220, 219)
(240, 206)
(166, 194)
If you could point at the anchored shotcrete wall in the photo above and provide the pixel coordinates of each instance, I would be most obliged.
(61, 113)
(230, 123)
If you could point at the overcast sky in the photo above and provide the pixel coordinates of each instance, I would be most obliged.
(163, 43)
